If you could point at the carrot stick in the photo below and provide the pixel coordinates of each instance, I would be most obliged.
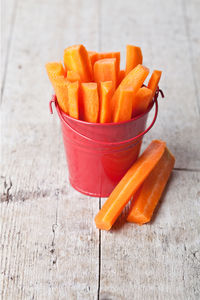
(133, 57)
(141, 101)
(54, 69)
(143, 205)
(106, 90)
(123, 107)
(111, 55)
(76, 59)
(60, 86)
(133, 80)
(129, 185)
(89, 108)
(73, 97)
(93, 56)
(154, 80)
(73, 76)
(105, 70)
(121, 76)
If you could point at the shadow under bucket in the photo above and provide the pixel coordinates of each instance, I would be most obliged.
(98, 155)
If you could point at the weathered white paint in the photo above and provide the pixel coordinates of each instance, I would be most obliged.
(160, 260)
(8, 13)
(49, 243)
(159, 27)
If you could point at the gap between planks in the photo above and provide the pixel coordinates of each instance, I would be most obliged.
(14, 13)
(99, 256)
(187, 32)
(99, 270)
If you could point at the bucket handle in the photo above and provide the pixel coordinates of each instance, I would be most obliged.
(54, 100)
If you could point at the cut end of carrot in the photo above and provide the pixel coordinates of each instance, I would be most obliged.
(146, 200)
(105, 70)
(137, 218)
(141, 101)
(102, 225)
(54, 70)
(111, 55)
(76, 59)
(154, 80)
(93, 56)
(133, 57)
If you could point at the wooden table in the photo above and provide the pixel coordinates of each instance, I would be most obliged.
(50, 247)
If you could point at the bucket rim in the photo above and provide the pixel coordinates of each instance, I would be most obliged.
(85, 123)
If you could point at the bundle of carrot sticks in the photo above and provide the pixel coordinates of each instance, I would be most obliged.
(144, 182)
(92, 87)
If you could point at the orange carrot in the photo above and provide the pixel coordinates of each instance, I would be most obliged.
(93, 56)
(111, 55)
(154, 80)
(121, 76)
(141, 101)
(123, 106)
(106, 89)
(73, 76)
(89, 107)
(129, 184)
(73, 97)
(133, 57)
(105, 70)
(133, 80)
(147, 198)
(60, 86)
(54, 69)
(76, 59)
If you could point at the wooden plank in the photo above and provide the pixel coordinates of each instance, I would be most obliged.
(160, 260)
(162, 37)
(49, 244)
(192, 28)
(8, 13)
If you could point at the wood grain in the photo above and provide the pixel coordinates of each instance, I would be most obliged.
(49, 244)
(159, 260)
(163, 39)
(50, 248)
(8, 13)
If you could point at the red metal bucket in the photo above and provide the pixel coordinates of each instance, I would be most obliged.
(98, 155)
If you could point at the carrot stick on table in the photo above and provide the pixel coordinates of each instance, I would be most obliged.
(116, 55)
(153, 81)
(141, 101)
(129, 184)
(73, 76)
(105, 70)
(106, 91)
(143, 205)
(133, 57)
(73, 98)
(89, 102)
(76, 59)
(123, 106)
(133, 80)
